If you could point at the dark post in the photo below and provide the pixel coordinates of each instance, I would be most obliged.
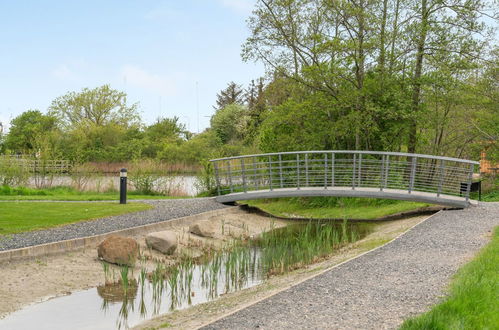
(123, 186)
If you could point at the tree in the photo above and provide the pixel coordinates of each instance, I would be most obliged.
(233, 94)
(99, 106)
(27, 129)
(229, 123)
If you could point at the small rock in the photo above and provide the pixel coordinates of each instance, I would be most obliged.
(118, 250)
(204, 228)
(163, 241)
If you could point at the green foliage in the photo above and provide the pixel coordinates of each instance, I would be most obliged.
(27, 130)
(11, 173)
(99, 106)
(473, 300)
(334, 207)
(229, 122)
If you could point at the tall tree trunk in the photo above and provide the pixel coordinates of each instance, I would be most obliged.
(416, 89)
(382, 38)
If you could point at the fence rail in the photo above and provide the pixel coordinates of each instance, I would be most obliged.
(341, 170)
(30, 165)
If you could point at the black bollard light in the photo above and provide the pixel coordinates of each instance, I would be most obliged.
(123, 186)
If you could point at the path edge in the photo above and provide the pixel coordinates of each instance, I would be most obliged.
(315, 275)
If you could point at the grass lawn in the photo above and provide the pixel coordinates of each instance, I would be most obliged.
(473, 301)
(334, 207)
(68, 194)
(26, 216)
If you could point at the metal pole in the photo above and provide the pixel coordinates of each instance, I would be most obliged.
(353, 173)
(298, 171)
(280, 171)
(413, 174)
(360, 173)
(387, 171)
(332, 168)
(230, 176)
(217, 178)
(470, 177)
(123, 179)
(270, 173)
(441, 179)
(243, 175)
(255, 173)
(306, 170)
(382, 173)
(325, 171)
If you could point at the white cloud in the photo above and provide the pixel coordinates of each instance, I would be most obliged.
(139, 77)
(242, 7)
(63, 72)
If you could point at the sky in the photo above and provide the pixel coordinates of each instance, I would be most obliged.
(171, 56)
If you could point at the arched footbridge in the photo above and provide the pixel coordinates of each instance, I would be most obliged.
(393, 175)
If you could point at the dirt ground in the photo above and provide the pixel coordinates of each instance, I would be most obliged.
(30, 281)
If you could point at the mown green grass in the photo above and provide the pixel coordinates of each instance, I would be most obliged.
(334, 207)
(28, 216)
(473, 301)
(67, 194)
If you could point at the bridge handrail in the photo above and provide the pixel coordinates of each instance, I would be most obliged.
(389, 153)
(346, 169)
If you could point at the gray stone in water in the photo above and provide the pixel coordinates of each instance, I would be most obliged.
(204, 228)
(163, 241)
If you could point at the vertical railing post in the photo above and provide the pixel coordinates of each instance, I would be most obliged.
(332, 168)
(387, 171)
(382, 173)
(280, 171)
(306, 170)
(353, 173)
(441, 177)
(360, 173)
(243, 175)
(217, 178)
(255, 175)
(298, 171)
(230, 176)
(325, 171)
(470, 177)
(270, 173)
(413, 174)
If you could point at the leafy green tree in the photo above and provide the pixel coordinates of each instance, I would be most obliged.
(95, 107)
(230, 122)
(27, 130)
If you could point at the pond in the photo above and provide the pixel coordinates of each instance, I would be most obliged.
(131, 296)
(178, 185)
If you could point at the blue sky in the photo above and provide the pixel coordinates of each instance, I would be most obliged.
(155, 51)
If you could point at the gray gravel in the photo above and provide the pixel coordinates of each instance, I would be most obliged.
(382, 288)
(163, 210)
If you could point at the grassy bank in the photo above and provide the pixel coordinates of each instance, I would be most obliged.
(26, 216)
(334, 207)
(68, 194)
(473, 301)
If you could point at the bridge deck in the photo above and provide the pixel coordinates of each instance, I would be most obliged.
(415, 196)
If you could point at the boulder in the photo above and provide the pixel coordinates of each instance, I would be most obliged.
(204, 228)
(163, 241)
(118, 250)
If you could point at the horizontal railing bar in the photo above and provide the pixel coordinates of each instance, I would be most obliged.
(388, 153)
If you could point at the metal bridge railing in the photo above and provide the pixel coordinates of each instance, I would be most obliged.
(343, 168)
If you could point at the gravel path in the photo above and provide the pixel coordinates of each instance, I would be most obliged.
(382, 288)
(163, 210)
